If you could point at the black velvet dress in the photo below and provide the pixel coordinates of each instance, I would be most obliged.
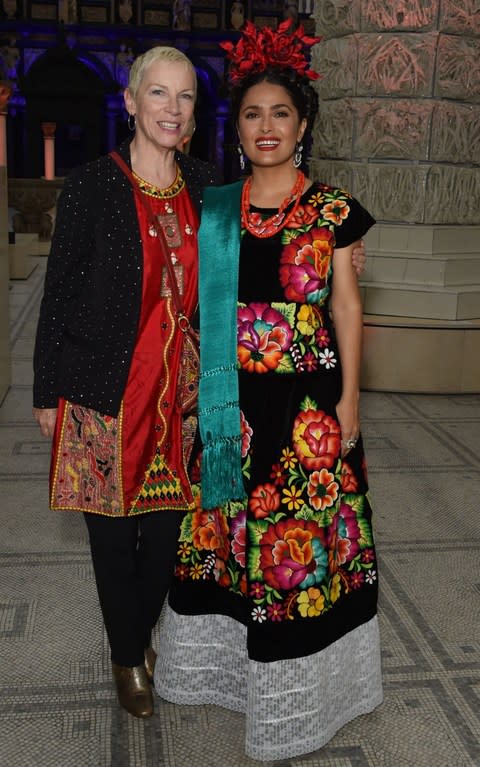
(273, 608)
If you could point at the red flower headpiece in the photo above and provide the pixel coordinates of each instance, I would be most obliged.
(258, 49)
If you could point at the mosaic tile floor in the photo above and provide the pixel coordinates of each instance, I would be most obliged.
(57, 703)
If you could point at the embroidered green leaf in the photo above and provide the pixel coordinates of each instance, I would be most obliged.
(285, 364)
(253, 565)
(308, 404)
(288, 311)
(234, 508)
(306, 512)
(246, 466)
(366, 537)
(256, 530)
(288, 236)
(186, 529)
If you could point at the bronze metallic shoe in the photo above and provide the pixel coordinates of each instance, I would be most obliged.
(150, 658)
(133, 689)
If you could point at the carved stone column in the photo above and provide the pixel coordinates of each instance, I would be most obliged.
(48, 130)
(5, 93)
(398, 127)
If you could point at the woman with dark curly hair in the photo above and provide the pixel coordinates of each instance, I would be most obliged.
(273, 608)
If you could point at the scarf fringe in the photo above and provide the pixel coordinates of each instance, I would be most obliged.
(221, 460)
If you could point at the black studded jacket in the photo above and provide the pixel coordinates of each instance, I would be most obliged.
(91, 304)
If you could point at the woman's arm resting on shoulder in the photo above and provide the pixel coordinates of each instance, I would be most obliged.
(359, 257)
(347, 315)
(46, 419)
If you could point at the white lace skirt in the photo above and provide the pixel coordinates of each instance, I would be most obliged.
(292, 706)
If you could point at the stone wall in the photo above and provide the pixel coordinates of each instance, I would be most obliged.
(399, 122)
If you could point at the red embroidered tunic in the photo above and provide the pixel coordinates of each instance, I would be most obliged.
(135, 463)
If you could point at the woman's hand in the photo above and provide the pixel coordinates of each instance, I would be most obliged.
(349, 420)
(359, 258)
(46, 419)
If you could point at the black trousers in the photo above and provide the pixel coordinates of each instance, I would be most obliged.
(133, 560)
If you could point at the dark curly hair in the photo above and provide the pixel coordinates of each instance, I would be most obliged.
(304, 97)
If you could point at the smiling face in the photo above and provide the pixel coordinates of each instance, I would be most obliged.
(269, 125)
(163, 104)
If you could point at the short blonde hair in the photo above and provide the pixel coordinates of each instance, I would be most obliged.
(159, 53)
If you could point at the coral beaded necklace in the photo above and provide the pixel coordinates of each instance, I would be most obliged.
(259, 227)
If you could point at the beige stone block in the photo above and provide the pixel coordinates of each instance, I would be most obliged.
(423, 303)
(471, 365)
(388, 270)
(425, 239)
(333, 131)
(338, 64)
(334, 19)
(388, 15)
(19, 256)
(396, 64)
(415, 360)
(452, 195)
(462, 271)
(334, 172)
(457, 74)
(455, 133)
(460, 17)
(412, 358)
(441, 272)
(392, 128)
(469, 304)
(390, 191)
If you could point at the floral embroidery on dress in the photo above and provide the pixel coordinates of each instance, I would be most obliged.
(301, 542)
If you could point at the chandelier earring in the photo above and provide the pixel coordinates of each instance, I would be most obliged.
(241, 157)
(131, 122)
(297, 159)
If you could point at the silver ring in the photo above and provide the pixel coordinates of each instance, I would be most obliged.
(350, 443)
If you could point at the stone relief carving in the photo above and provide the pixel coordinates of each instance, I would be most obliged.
(455, 133)
(391, 192)
(399, 14)
(333, 130)
(460, 16)
(393, 128)
(451, 195)
(396, 64)
(335, 173)
(337, 17)
(458, 68)
(337, 61)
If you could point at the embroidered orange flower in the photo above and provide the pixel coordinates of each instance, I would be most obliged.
(336, 211)
(322, 489)
(264, 500)
(316, 439)
(210, 531)
(348, 479)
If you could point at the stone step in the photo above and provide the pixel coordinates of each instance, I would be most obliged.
(400, 267)
(424, 240)
(425, 356)
(461, 302)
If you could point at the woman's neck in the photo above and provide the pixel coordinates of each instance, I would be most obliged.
(270, 186)
(157, 166)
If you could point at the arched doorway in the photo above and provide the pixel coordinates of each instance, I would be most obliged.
(69, 90)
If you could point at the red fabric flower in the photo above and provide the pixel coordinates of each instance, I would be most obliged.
(316, 439)
(258, 49)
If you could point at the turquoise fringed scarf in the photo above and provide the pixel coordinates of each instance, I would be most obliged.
(219, 412)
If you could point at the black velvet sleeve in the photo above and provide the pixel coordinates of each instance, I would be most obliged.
(67, 265)
(357, 223)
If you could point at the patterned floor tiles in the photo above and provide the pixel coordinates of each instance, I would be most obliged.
(57, 703)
